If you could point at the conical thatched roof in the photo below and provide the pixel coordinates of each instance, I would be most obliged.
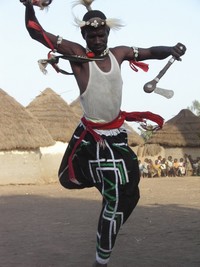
(183, 130)
(18, 128)
(77, 108)
(55, 114)
(149, 150)
(186, 117)
(133, 137)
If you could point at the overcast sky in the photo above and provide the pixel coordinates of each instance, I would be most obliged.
(147, 23)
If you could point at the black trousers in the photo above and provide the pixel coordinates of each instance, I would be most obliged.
(113, 170)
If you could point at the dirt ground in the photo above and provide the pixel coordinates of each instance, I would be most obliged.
(48, 226)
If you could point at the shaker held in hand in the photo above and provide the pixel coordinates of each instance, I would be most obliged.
(41, 3)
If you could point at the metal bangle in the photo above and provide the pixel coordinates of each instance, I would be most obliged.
(135, 52)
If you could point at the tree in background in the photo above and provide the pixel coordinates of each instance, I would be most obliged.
(195, 107)
(146, 133)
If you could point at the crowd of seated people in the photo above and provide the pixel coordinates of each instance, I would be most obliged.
(169, 167)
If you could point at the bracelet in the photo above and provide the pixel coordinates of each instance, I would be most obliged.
(135, 52)
(58, 41)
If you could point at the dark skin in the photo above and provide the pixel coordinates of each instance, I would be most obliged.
(97, 39)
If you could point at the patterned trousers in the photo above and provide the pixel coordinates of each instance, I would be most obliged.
(113, 170)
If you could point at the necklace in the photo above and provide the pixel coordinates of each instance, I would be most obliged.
(89, 52)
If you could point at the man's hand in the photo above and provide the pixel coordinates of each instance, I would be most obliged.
(178, 50)
(25, 2)
(41, 3)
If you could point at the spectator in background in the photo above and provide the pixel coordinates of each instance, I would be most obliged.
(157, 169)
(198, 169)
(152, 171)
(181, 167)
(141, 169)
(163, 168)
(175, 167)
(159, 159)
(146, 168)
(188, 165)
(195, 167)
(169, 165)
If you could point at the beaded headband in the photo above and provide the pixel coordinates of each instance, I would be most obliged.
(95, 18)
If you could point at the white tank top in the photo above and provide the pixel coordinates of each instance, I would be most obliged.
(102, 98)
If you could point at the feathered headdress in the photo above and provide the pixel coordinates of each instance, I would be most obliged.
(86, 3)
(95, 18)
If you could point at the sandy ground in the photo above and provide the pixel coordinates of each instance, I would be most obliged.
(47, 226)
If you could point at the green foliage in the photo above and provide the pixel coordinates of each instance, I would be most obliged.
(146, 134)
(195, 107)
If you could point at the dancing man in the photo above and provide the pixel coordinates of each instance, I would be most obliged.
(98, 154)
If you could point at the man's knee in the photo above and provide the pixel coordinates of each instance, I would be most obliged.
(67, 183)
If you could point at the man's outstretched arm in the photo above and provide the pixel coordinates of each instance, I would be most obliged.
(54, 42)
(35, 29)
(162, 52)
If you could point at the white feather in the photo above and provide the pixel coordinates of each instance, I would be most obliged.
(42, 65)
(86, 3)
(114, 24)
(78, 22)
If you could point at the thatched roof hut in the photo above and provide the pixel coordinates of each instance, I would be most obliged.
(19, 129)
(183, 130)
(134, 138)
(55, 114)
(76, 107)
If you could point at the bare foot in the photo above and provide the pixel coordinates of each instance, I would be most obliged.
(96, 264)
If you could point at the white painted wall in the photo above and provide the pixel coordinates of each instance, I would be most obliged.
(31, 167)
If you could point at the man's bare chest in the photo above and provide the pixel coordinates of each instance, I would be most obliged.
(104, 64)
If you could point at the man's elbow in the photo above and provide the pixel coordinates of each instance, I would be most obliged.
(34, 34)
